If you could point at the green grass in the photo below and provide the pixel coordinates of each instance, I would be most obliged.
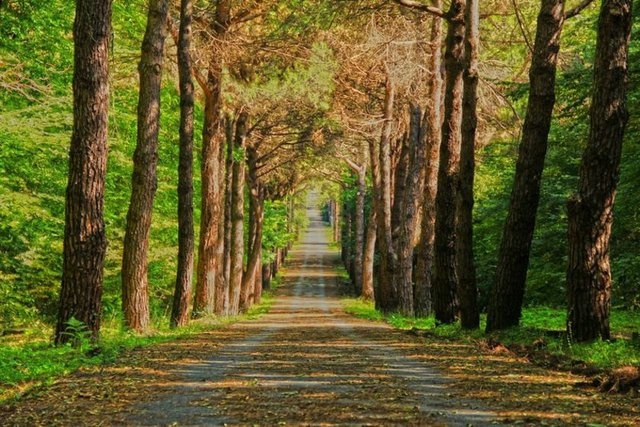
(535, 325)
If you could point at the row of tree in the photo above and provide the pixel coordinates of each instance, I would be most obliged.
(421, 169)
(263, 112)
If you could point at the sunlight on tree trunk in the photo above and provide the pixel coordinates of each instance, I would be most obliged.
(85, 242)
(237, 215)
(211, 193)
(184, 275)
(135, 285)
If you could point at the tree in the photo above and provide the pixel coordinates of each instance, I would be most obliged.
(182, 292)
(468, 290)
(84, 237)
(236, 299)
(386, 298)
(209, 257)
(431, 131)
(445, 282)
(507, 293)
(591, 209)
(135, 286)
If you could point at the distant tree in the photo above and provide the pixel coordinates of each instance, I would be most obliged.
(182, 293)
(84, 237)
(360, 172)
(135, 286)
(237, 301)
(505, 305)
(591, 209)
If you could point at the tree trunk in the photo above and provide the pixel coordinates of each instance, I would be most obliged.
(505, 305)
(345, 238)
(468, 289)
(408, 213)
(445, 285)
(591, 210)
(251, 282)
(358, 261)
(237, 214)
(84, 235)
(211, 192)
(369, 259)
(221, 305)
(431, 131)
(184, 276)
(135, 286)
(387, 300)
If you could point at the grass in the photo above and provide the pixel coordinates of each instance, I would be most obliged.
(535, 325)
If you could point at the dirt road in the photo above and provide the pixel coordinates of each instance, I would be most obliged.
(308, 363)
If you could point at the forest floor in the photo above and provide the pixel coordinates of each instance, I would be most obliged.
(306, 362)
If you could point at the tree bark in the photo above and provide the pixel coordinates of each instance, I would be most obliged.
(221, 305)
(184, 276)
(135, 286)
(445, 286)
(211, 190)
(591, 210)
(251, 282)
(408, 213)
(468, 289)
(431, 131)
(505, 306)
(368, 261)
(358, 252)
(237, 214)
(386, 298)
(84, 236)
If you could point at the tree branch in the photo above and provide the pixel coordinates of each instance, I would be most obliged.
(576, 10)
(413, 4)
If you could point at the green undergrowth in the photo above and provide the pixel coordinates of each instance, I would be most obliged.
(541, 328)
(30, 359)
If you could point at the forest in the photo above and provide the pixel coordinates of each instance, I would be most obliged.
(477, 163)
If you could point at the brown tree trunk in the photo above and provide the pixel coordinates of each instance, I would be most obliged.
(221, 305)
(591, 210)
(408, 213)
(336, 220)
(251, 282)
(505, 305)
(468, 289)
(184, 276)
(445, 284)
(386, 298)
(85, 242)
(135, 286)
(211, 190)
(237, 214)
(359, 224)
(431, 131)
(369, 259)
